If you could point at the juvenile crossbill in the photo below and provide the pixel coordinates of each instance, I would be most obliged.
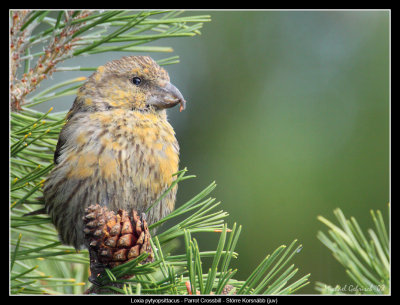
(117, 148)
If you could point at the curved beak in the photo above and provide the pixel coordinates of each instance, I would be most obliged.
(167, 96)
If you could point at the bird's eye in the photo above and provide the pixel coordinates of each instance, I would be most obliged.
(136, 81)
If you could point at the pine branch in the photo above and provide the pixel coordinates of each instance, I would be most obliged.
(367, 262)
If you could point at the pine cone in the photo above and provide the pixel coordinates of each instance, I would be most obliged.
(113, 239)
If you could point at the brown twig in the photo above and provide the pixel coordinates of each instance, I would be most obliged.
(59, 48)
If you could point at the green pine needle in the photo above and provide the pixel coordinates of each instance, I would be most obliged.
(367, 262)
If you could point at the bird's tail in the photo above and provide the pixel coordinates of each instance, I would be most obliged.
(40, 211)
(37, 212)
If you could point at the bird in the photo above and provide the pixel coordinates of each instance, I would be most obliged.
(117, 148)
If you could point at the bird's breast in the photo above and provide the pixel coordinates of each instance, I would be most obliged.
(141, 146)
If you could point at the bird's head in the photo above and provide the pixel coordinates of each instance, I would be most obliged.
(131, 83)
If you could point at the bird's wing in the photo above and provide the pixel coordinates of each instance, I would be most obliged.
(60, 144)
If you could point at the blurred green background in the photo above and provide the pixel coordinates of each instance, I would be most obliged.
(289, 112)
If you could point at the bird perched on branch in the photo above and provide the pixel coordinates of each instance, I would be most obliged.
(117, 148)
